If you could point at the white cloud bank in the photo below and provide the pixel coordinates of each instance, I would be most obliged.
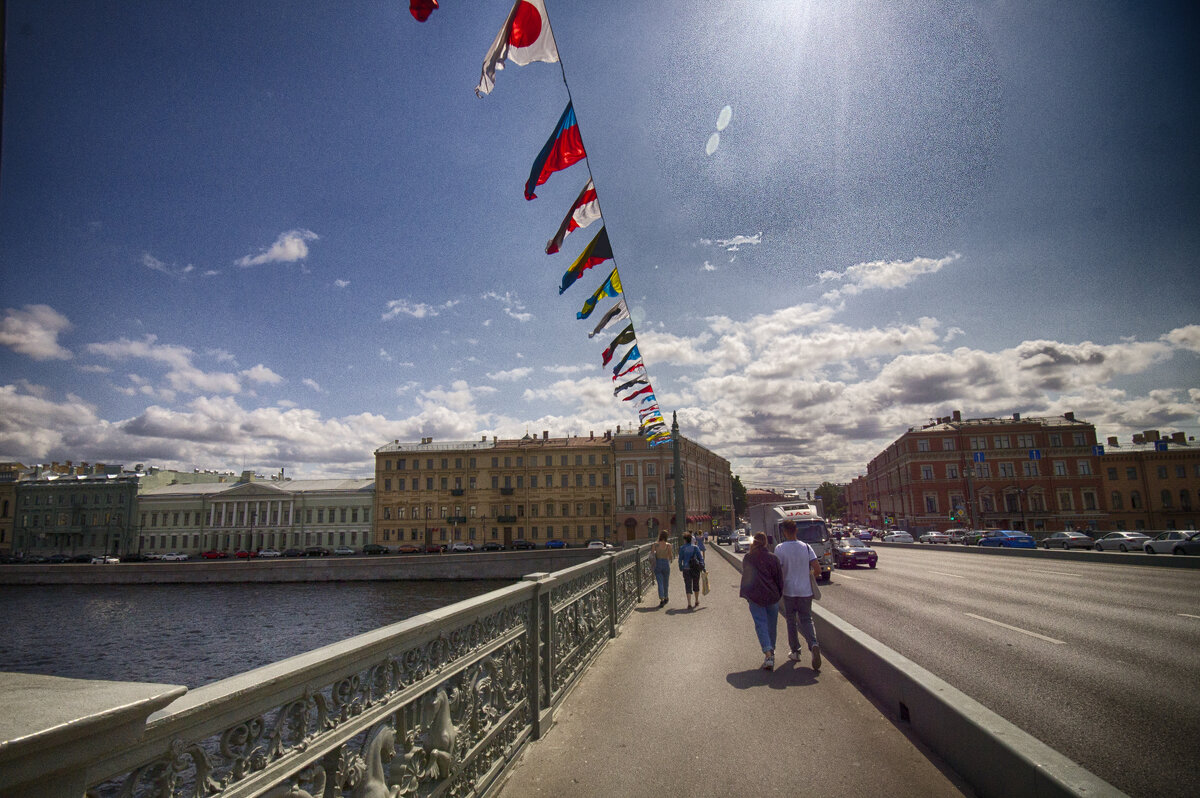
(288, 248)
(33, 331)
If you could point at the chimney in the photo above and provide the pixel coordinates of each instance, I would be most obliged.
(1139, 438)
(1112, 440)
(493, 439)
(618, 429)
(483, 439)
(1069, 415)
(956, 415)
(545, 434)
(591, 435)
(1150, 435)
(1178, 437)
(397, 441)
(1016, 416)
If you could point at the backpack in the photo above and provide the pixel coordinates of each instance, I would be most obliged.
(696, 564)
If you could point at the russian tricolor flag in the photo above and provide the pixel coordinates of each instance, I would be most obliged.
(563, 148)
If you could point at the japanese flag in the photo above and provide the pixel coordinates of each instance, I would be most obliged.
(524, 38)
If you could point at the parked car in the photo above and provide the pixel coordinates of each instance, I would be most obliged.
(409, 548)
(313, 551)
(851, 552)
(174, 556)
(293, 553)
(375, 548)
(972, 537)
(1175, 541)
(344, 551)
(270, 553)
(742, 544)
(864, 535)
(460, 545)
(1121, 541)
(556, 543)
(58, 559)
(1007, 538)
(211, 554)
(598, 544)
(435, 548)
(152, 556)
(492, 545)
(86, 558)
(897, 537)
(957, 535)
(523, 545)
(934, 537)
(1067, 540)
(105, 559)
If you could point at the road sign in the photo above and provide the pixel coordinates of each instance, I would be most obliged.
(1160, 446)
(977, 457)
(1035, 454)
(1097, 450)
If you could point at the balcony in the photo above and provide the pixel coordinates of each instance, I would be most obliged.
(506, 491)
(456, 491)
(506, 519)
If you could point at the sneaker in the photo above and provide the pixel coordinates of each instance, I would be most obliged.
(768, 664)
(816, 652)
(794, 656)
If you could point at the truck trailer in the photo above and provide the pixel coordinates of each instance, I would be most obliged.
(810, 527)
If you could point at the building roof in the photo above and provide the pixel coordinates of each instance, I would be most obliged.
(284, 486)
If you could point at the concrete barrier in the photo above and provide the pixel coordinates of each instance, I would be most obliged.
(1089, 555)
(995, 757)
(382, 568)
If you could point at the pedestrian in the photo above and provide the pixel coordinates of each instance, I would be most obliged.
(800, 567)
(691, 563)
(762, 586)
(663, 554)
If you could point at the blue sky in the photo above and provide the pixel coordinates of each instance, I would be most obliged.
(280, 234)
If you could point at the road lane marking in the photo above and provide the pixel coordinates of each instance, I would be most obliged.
(1185, 615)
(1016, 629)
(1042, 571)
(851, 578)
(943, 573)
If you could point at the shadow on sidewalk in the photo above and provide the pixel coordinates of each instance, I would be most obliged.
(783, 677)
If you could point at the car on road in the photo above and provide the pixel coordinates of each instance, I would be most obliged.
(1007, 539)
(851, 552)
(270, 553)
(1121, 541)
(598, 544)
(523, 545)
(312, 551)
(725, 537)
(374, 548)
(1067, 540)
(864, 535)
(105, 559)
(492, 545)
(435, 548)
(957, 535)
(1174, 541)
(344, 551)
(556, 543)
(897, 537)
(460, 545)
(742, 544)
(211, 554)
(58, 559)
(409, 548)
(174, 556)
(934, 537)
(86, 558)
(972, 537)
(293, 553)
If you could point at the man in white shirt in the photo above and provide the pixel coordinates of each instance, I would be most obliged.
(798, 560)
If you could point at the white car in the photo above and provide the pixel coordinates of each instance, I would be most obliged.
(935, 537)
(742, 544)
(897, 537)
(153, 555)
(173, 556)
(461, 546)
(270, 553)
(599, 544)
(105, 559)
(1175, 541)
(343, 551)
(1122, 541)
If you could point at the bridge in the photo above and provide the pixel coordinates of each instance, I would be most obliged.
(564, 683)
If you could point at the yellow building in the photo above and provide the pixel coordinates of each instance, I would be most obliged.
(1153, 483)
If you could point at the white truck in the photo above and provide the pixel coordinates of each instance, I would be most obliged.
(810, 527)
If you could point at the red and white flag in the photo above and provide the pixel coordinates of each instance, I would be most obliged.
(524, 38)
(584, 211)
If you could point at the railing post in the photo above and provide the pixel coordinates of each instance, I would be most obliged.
(533, 679)
(612, 595)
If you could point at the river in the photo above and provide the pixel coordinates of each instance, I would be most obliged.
(196, 634)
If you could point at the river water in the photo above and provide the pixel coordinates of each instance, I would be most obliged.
(196, 634)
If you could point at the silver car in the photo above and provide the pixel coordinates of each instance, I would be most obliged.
(1121, 541)
(1067, 540)
(1174, 541)
(742, 544)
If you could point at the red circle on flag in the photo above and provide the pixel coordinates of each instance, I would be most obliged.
(526, 26)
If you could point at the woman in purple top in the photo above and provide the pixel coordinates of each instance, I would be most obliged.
(762, 587)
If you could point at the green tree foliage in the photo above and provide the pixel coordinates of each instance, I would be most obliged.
(833, 497)
(739, 497)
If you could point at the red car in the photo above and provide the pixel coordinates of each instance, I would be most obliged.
(242, 554)
(435, 548)
(215, 555)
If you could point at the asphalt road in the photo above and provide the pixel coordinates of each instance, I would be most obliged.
(1099, 661)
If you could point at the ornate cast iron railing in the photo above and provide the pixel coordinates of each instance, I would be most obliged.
(437, 705)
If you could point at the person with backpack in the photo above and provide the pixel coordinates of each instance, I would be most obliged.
(691, 564)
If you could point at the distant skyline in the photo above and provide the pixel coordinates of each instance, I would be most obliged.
(274, 235)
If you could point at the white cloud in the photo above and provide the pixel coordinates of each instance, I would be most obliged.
(341, 283)
(513, 307)
(262, 374)
(735, 243)
(512, 375)
(418, 310)
(1185, 337)
(708, 267)
(171, 270)
(311, 383)
(182, 375)
(881, 274)
(288, 248)
(34, 331)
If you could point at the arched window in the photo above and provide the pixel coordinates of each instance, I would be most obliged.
(1166, 499)
(1185, 500)
(1135, 500)
(1116, 500)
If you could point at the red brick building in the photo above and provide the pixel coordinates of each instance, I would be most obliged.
(1034, 474)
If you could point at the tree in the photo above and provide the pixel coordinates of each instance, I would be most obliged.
(739, 497)
(833, 497)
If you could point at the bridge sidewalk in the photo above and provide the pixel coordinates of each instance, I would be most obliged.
(677, 705)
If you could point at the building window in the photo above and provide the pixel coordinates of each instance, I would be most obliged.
(1024, 441)
(1112, 474)
(1064, 500)
(1131, 473)
(1055, 439)
(1162, 472)
(629, 469)
(629, 497)
(1166, 499)
(978, 443)
(563, 480)
(1007, 470)
(1180, 471)
(947, 444)
(1116, 500)
(1029, 468)
(1012, 502)
(1083, 468)
(931, 503)
(651, 469)
(926, 472)
(1089, 500)
(984, 470)
(652, 496)
(1185, 500)
(1000, 442)
(1060, 468)
(951, 472)
(922, 444)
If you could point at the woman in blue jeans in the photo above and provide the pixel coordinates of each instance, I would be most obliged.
(663, 554)
(762, 587)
